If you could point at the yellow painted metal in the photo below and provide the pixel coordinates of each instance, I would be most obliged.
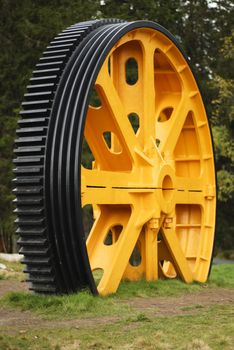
(152, 190)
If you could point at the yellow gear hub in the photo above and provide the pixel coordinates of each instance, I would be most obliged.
(152, 182)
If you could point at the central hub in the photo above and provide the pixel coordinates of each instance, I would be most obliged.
(167, 188)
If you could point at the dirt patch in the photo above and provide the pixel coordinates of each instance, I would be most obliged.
(7, 286)
(169, 306)
(22, 321)
(17, 319)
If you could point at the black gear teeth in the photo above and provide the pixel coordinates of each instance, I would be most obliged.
(21, 151)
(44, 289)
(38, 96)
(31, 242)
(34, 251)
(51, 57)
(26, 211)
(44, 79)
(37, 262)
(38, 270)
(33, 232)
(40, 87)
(40, 112)
(29, 104)
(30, 221)
(35, 278)
(28, 190)
(28, 180)
(25, 141)
(28, 201)
(30, 158)
(34, 131)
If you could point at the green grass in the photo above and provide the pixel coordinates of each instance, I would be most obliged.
(208, 329)
(14, 266)
(68, 306)
(177, 332)
(25, 342)
(222, 276)
(81, 321)
(14, 271)
(156, 288)
(83, 304)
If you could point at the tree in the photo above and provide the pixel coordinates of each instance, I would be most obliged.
(223, 130)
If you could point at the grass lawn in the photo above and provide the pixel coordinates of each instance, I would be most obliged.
(157, 315)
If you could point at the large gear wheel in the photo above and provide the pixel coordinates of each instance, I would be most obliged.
(151, 185)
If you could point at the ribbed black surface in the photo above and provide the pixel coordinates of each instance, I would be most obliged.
(52, 262)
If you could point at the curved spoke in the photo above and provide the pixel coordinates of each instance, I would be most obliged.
(116, 257)
(171, 130)
(148, 122)
(105, 195)
(115, 108)
(107, 217)
(177, 254)
(103, 178)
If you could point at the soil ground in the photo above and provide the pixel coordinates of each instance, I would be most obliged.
(157, 306)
